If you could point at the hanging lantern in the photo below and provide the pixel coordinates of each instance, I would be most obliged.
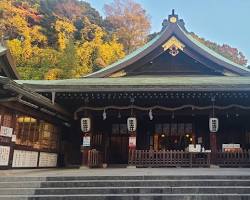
(131, 123)
(213, 124)
(85, 124)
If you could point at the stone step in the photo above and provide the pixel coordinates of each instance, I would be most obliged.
(68, 178)
(131, 197)
(127, 190)
(125, 183)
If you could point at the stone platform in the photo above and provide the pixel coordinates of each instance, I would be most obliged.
(126, 184)
(128, 172)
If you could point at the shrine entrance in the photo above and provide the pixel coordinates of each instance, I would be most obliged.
(119, 149)
(167, 132)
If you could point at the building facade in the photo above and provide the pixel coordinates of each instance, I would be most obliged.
(173, 102)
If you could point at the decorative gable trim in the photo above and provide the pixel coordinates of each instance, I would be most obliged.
(173, 45)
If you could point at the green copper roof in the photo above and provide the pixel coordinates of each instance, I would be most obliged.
(171, 80)
(211, 52)
(140, 83)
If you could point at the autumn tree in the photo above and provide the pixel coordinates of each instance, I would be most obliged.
(130, 23)
(225, 50)
(65, 30)
(97, 53)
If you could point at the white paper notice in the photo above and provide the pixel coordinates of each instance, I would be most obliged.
(86, 141)
(6, 131)
(25, 158)
(4, 155)
(47, 159)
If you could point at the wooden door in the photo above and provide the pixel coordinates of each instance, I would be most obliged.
(119, 149)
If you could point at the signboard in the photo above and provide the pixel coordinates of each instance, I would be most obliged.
(6, 131)
(231, 147)
(25, 158)
(47, 159)
(132, 142)
(4, 155)
(194, 148)
(86, 141)
(13, 139)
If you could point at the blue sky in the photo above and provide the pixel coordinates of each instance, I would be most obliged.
(221, 21)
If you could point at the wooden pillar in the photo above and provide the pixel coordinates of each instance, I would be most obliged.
(132, 141)
(86, 138)
(213, 142)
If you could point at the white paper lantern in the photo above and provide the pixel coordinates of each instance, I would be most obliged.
(213, 125)
(85, 124)
(131, 123)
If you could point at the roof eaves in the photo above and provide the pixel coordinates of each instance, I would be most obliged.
(31, 95)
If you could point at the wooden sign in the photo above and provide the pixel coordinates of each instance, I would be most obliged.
(6, 131)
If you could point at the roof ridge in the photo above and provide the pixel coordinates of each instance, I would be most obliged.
(209, 50)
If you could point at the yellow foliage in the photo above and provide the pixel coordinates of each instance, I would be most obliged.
(97, 52)
(53, 74)
(16, 49)
(36, 59)
(65, 30)
(78, 71)
(36, 35)
(111, 51)
(84, 53)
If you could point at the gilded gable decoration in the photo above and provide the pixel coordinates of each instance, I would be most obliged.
(173, 45)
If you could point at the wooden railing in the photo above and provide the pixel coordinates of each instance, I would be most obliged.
(237, 159)
(95, 158)
(151, 158)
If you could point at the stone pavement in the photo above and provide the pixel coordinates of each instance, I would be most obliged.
(128, 172)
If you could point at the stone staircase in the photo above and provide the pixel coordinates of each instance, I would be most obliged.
(125, 187)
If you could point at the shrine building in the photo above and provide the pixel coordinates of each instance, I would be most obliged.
(172, 103)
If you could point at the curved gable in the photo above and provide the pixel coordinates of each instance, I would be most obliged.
(176, 41)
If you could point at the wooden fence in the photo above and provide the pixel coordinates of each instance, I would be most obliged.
(229, 159)
(151, 158)
(95, 158)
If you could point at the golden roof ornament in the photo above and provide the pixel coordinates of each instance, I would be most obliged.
(173, 19)
(173, 45)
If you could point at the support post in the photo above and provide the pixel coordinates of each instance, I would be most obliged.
(131, 148)
(213, 146)
(213, 142)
